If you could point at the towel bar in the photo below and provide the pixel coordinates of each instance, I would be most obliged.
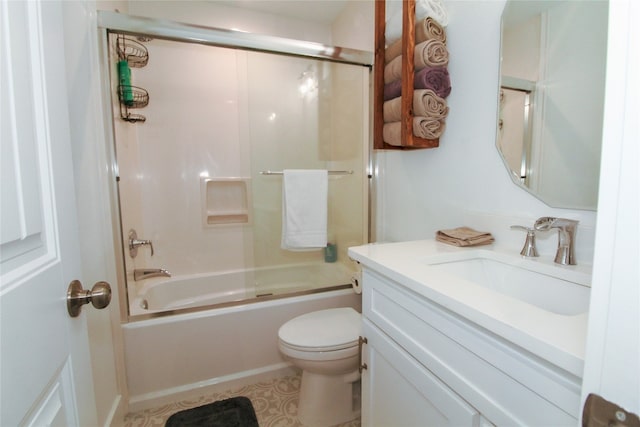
(330, 172)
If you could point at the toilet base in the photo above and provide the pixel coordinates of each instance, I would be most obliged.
(327, 400)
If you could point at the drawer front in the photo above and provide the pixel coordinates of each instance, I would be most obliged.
(398, 391)
(501, 381)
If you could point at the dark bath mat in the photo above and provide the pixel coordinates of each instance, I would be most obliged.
(234, 412)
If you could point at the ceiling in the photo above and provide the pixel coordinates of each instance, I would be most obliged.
(319, 11)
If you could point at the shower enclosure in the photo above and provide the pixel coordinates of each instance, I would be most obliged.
(204, 123)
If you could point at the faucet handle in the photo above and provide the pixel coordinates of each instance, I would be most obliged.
(134, 243)
(529, 248)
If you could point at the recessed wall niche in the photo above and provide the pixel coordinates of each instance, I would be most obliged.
(225, 201)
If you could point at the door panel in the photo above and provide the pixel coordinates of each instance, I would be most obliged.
(399, 391)
(45, 374)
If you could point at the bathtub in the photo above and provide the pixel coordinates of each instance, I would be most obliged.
(157, 295)
(195, 351)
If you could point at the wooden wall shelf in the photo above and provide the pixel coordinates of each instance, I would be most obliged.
(410, 141)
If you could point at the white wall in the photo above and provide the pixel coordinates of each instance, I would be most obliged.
(353, 28)
(464, 182)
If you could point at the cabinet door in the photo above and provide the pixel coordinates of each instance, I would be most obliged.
(398, 391)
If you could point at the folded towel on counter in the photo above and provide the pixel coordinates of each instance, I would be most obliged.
(431, 53)
(425, 103)
(304, 209)
(436, 79)
(423, 127)
(464, 236)
(426, 29)
(424, 8)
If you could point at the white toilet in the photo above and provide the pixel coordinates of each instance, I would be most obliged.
(324, 344)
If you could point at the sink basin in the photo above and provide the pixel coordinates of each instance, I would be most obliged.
(521, 281)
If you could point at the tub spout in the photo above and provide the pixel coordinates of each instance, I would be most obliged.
(147, 273)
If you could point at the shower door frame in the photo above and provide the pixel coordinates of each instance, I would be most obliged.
(113, 22)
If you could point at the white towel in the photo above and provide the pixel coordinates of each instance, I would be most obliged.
(433, 8)
(304, 209)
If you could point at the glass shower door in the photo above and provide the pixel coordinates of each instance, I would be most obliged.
(307, 114)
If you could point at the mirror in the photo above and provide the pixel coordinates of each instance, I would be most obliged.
(552, 66)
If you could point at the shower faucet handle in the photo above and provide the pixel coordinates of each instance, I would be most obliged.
(134, 243)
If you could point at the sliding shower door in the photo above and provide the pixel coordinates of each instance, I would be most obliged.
(191, 174)
(307, 114)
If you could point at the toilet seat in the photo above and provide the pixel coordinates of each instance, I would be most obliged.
(327, 330)
(318, 356)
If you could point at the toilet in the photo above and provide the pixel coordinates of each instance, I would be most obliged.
(324, 344)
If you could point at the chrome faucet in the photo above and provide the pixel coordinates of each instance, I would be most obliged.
(147, 273)
(566, 237)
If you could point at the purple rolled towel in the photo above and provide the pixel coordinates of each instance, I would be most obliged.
(434, 78)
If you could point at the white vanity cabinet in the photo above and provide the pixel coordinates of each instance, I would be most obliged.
(427, 366)
(398, 391)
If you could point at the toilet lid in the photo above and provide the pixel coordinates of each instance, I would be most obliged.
(333, 328)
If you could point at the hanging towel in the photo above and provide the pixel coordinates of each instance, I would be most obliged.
(304, 209)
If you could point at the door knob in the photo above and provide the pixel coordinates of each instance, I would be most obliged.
(99, 296)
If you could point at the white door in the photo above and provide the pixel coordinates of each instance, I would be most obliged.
(45, 371)
(612, 363)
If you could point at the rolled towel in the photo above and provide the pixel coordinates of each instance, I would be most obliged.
(424, 8)
(423, 127)
(425, 103)
(426, 29)
(436, 79)
(391, 133)
(431, 53)
(428, 127)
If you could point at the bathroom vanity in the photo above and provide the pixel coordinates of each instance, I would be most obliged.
(465, 336)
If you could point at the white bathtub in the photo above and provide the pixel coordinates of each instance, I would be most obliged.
(196, 290)
(180, 356)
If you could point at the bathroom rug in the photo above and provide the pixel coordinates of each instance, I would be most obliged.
(233, 412)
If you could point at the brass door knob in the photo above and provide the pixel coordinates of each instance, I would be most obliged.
(99, 296)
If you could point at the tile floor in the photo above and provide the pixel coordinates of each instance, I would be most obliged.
(275, 403)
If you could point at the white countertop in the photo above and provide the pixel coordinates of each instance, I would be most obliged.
(556, 338)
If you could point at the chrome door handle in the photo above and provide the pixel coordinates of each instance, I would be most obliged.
(99, 296)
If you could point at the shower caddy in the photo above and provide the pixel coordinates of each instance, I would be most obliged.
(131, 53)
(410, 141)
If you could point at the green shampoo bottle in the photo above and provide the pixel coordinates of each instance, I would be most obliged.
(124, 76)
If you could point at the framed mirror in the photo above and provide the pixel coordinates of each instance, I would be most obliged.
(552, 74)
